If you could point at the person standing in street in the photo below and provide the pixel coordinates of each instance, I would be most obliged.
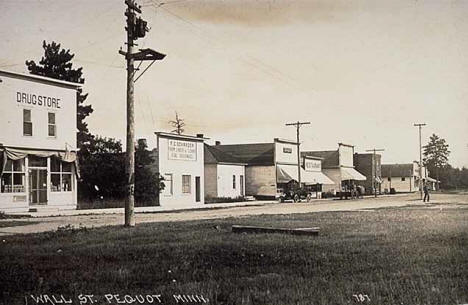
(426, 191)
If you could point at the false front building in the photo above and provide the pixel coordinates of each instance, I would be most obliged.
(179, 159)
(37, 143)
(338, 166)
(271, 167)
(369, 165)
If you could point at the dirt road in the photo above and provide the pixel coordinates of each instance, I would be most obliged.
(34, 225)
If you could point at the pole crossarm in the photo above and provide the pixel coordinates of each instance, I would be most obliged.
(144, 54)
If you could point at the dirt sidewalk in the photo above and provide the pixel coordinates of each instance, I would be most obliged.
(34, 225)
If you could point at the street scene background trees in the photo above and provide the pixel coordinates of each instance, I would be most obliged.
(436, 156)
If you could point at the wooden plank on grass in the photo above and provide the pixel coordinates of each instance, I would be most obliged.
(294, 231)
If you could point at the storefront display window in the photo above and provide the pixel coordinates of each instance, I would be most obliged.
(60, 176)
(13, 177)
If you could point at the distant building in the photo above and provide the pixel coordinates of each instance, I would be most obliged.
(37, 143)
(338, 166)
(272, 166)
(180, 160)
(224, 174)
(405, 177)
(371, 168)
(313, 175)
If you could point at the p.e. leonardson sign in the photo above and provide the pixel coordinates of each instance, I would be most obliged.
(114, 299)
(182, 150)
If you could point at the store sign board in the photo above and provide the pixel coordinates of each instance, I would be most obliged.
(346, 155)
(182, 150)
(311, 165)
(33, 99)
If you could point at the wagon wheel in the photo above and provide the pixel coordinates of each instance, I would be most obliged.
(296, 198)
(309, 197)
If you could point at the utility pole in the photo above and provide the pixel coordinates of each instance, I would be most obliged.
(374, 172)
(298, 126)
(136, 28)
(419, 125)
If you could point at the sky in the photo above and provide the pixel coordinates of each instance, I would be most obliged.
(362, 72)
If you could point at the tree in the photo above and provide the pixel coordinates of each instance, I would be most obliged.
(56, 63)
(148, 184)
(178, 124)
(103, 173)
(436, 154)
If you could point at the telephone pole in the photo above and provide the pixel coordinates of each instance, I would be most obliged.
(136, 28)
(298, 126)
(374, 172)
(419, 125)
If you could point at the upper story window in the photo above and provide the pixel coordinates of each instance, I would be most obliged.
(27, 123)
(13, 177)
(52, 128)
(234, 181)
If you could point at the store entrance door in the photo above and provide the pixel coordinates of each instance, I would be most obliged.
(37, 186)
(197, 189)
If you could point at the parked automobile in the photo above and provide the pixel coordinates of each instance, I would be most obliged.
(295, 195)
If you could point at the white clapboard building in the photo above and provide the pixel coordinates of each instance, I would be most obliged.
(180, 160)
(37, 143)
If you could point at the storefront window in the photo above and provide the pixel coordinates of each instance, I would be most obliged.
(60, 176)
(186, 184)
(13, 177)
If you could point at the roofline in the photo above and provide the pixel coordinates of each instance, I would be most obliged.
(42, 79)
(262, 143)
(178, 136)
(348, 145)
(278, 140)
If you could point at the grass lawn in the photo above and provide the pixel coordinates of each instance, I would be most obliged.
(14, 223)
(394, 256)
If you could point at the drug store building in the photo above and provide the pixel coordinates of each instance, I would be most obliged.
(37, 143)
